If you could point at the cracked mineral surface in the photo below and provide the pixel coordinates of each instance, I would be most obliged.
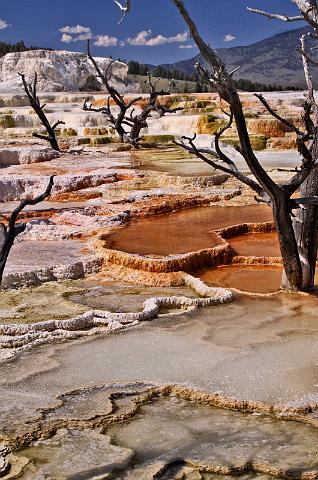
(143, 335)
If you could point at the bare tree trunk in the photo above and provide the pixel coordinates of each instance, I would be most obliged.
(306, 230)
(292, 275)
(31, 92)
(8, 233)
(7, 239)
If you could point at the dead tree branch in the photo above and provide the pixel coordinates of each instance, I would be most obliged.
(9, 232)
(279, 196)
(219, 161)
(275, 16)
(31, 92)
(127, 116)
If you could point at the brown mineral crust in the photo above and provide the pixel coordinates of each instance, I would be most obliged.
(192, 261)
(285, 143)
(43, 428)
(210, 257)
(265, 261)
(268, 127)
(244, 228)
(168, 203)
(35, 214)
(139, 277)
(75, 196)
(158, 205)
(237, 469)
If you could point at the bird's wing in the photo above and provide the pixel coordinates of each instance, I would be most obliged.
(127, 10)
(119, 5)
(123, 18)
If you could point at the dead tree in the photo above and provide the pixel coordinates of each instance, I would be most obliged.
(139, 122)
(306, 220)
(31, 92)
(298, 236)
(127, 123)
(10, 231)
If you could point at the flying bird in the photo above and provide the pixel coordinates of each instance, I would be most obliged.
(124, 8)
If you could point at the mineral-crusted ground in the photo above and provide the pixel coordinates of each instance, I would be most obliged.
(121, 354)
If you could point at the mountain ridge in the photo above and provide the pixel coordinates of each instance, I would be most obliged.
(274, 60)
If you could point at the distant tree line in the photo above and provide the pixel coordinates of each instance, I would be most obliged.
(136, 68)
(16, 47)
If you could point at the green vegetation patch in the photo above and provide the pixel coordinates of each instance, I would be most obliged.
(69, 132)
(158, 139)
(251, 115)
(95, 141)
(97, 131)
(258, 142)
(102, 140)
(209, 124)
(46, 302)
(84, 141)
(7, 121)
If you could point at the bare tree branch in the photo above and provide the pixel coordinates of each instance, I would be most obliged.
(277, 116)
(31, 92)
(228, 168)
(302, 138)
(275, 16)
(135, 122)
(299, 260)
(8, 233)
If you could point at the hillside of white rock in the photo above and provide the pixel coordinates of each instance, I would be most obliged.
(59, 71)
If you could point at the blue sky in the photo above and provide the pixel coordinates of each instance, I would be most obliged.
(152, 33)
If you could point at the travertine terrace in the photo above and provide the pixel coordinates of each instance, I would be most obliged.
(136, 291)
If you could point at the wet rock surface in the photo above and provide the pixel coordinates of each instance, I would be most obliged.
(74, 454)
(105, 377)
(26, 155)
(134, 425)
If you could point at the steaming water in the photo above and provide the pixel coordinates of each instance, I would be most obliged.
(76, 118)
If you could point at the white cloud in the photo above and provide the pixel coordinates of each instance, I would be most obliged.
(229, 38)
(76, 29)
(140, 38)
(144, 38)
(3, 24)
(79, 33)
(66, 38)
(186, 46)
(105, 41)
(83, 36)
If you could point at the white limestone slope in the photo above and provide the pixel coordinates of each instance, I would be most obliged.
(59, 71)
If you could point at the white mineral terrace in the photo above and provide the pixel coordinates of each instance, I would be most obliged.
(143, 334)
